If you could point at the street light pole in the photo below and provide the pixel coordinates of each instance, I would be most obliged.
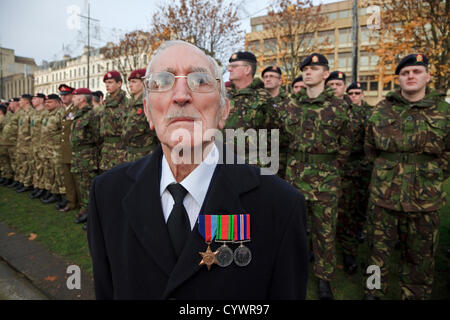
(355, 26)
(89, 39)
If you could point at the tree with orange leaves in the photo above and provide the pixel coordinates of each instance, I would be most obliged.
(411, 26)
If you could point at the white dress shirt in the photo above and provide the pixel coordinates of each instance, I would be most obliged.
(196, 184)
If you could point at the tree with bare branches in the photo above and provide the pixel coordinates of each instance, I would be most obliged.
(289, 34)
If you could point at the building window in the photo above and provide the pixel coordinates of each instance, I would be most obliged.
(368, 83)
(332, 15)
(270, 46)
(305, 40)
(84, 71)
(331, 60)
(345, 36)
(107, 66)
(325, 38)
(344, 14)
(344, 60)
(254, 46)
(257, 28)
(98, 82)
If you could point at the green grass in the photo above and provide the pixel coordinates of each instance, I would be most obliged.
(58, 233)
(55, 230)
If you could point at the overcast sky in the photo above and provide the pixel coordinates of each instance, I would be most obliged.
(40, 29)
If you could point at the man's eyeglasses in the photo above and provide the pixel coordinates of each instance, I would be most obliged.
(197, 81)
(354, 93)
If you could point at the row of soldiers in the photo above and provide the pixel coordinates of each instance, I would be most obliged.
(354, 162)
(53, 146)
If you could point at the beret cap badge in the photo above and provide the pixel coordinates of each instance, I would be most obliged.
(315, 59)
(419, 58)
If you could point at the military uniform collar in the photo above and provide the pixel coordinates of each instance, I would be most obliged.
(427, 101)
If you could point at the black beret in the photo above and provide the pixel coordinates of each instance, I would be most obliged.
(53, 97)
(3, 108)
(271, 69)
(39, 95)
(14, 100)
(243, 55)
(314, 59)
(298, 79)
(412, 60)
(27, 96)
(336, 75)
(354, 85)
(97, 93)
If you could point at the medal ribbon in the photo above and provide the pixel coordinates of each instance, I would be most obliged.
(225, 227)
(242, 228)
(207, 225)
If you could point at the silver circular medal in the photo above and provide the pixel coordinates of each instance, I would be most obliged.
(224, 256)
(242, 256)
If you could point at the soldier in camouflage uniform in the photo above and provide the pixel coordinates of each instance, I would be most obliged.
(24, 152)
(85, 139)
(5, 171)
(251, 106)
(317, 124)
(38, 158)
(51, 131)
(355, 182)
(97, 101)
(137, 136)
(297, 84)
(10, 138)
(112, 122)
(408, 138)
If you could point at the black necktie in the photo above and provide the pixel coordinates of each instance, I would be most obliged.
(178, 222)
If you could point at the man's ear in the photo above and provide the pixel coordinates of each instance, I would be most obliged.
(225, 113)
(147, 114)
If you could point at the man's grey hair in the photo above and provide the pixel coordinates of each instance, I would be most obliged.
(88, 98)
(217, 71)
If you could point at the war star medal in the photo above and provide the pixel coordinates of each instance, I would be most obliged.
(208, 257)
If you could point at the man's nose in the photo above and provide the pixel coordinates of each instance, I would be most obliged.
(182, 95)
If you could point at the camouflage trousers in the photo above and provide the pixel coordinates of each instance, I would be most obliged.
(419, 233)
(112, 154)
(83, 182)
(352, 211)
(5, 163)
(24, 169)
(54, 175)
(323, 232)
(13, 161)
(38, 169)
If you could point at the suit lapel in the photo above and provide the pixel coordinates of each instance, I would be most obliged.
(228, 183)
(143, 207)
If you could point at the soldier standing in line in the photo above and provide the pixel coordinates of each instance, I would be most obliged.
(35, 125)
(251, 106)
(297, 85)
(112, 122)
(85, 139)
(52, 129)
(137, 136)
(317, 124)
(72, 198)
(24, 152)
(408, 138)
(10, 139)
(336, 80)
(97, 101)
(5, 171)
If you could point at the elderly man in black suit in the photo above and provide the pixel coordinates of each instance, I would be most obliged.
(183, 224)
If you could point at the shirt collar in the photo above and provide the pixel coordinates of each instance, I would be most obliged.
(197, 182)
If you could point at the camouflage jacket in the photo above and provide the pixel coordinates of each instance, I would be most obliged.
(85, 140)
(35, 125)
(280, 98)
(250, 107)
(111, 127)
(316, 126)
(399, 128)
(11, 129)
(136, 134)
(2, 125)
(51, 131)
(358, 117)
(24, 133)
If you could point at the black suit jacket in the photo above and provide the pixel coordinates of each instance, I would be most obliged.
(133, 257)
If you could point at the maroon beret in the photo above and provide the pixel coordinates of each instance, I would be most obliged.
(137, 74)
(82, 91)
(112, 75)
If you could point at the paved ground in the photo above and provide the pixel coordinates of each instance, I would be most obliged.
(30, 271)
